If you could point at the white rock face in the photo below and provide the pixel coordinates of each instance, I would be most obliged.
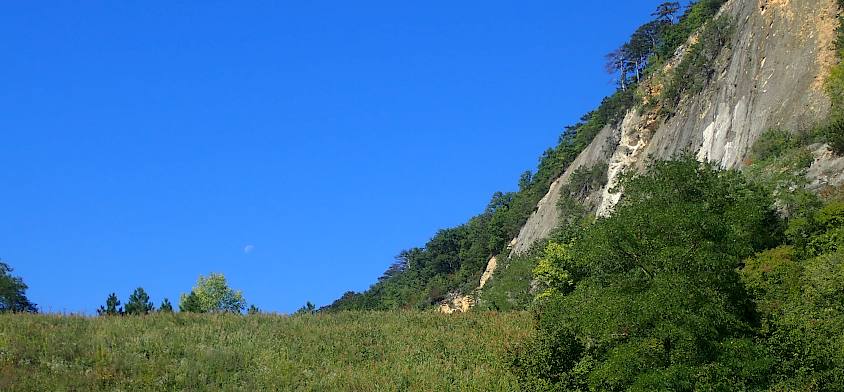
(770, 76)
(545, 217)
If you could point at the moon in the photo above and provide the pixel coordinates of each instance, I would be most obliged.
(248, 249)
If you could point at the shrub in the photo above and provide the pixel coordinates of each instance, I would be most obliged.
(773, 144)
(835, 136)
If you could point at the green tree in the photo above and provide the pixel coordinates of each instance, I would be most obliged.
(253, 310)
(166, 306)
(13, 292)
(525, 180)
(139, 303)
(112, 307)
(213, 295)
(190, 303)
(667, 11)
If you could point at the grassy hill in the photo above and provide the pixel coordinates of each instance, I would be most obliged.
(351, 351)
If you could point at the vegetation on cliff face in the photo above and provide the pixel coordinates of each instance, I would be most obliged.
(834, 131)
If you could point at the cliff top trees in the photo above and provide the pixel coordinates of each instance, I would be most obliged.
(12, 292)
(658, 39)
(667, 11)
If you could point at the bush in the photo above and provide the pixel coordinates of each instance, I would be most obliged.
(510, 287)
(773, 144)
(835, 136)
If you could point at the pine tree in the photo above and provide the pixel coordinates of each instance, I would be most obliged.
(190, 303)
(112, 307)
(166, 306)
(139, 303)
(667, 11)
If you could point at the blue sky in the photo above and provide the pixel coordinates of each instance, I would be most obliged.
(295, 147)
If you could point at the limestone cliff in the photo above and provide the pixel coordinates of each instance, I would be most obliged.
(770, 75)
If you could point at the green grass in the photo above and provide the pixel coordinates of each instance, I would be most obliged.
(352, 351)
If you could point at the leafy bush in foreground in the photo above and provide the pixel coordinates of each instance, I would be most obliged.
(694, 283)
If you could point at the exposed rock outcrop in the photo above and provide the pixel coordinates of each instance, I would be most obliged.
(771, 75)
(827, 169)
(458, 303)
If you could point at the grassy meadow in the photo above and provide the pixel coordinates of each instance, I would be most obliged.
(351, 351)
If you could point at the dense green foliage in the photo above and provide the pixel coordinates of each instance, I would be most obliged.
(359, 351)
(13, 292)
(212, 295)
(677, 290)
(651, 293)
(797, 290)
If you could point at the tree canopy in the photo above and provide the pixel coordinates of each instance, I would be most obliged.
(212, 294)
(112, 307)
(13, 292)
(139, 303)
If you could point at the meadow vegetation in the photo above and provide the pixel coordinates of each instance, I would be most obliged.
(348, 351)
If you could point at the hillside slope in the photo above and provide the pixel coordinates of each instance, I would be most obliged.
(770, 75)
(708, 82)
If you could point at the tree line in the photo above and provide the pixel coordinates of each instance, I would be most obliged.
(655, 42)
(211, 294)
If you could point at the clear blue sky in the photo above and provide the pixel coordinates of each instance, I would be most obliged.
(147, 142)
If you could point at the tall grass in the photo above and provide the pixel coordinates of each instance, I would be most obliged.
(352, 351)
